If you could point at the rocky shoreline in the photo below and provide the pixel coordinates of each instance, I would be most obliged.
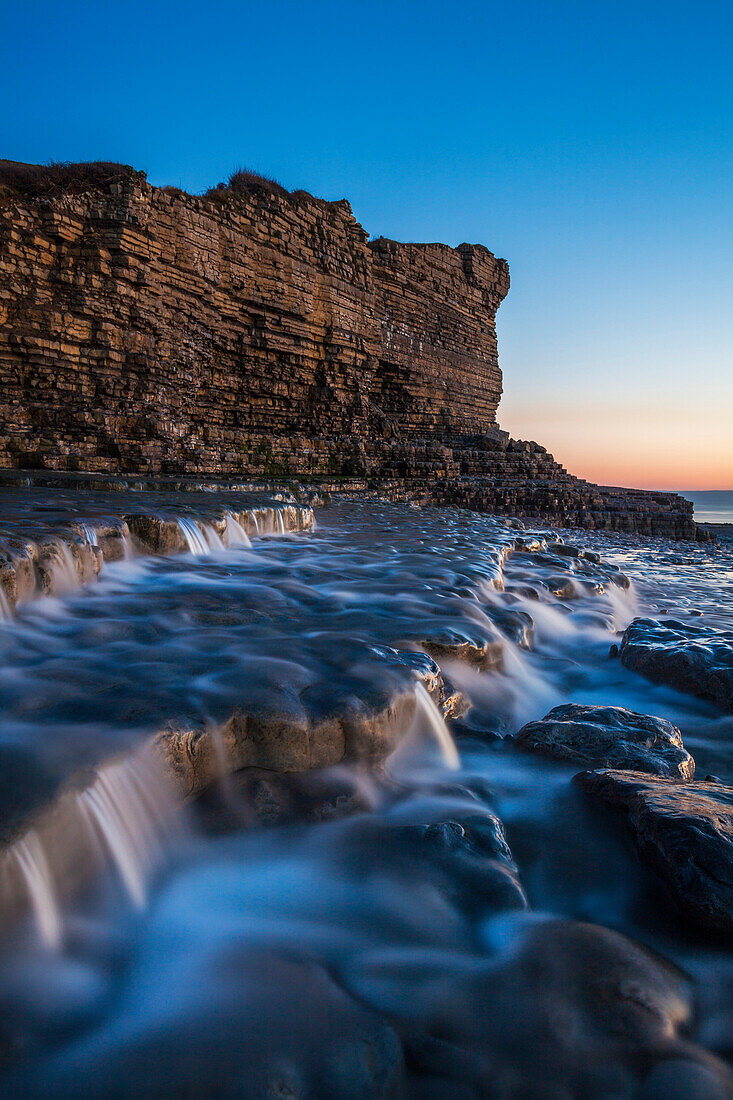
(413, 711)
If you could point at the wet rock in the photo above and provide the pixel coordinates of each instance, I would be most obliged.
(455, 645)
(526, 591)
(564, 588)
(157, 535)
(517, 626)
(687, 657)
(564, 549)
(610, 737)
(472, 857)
(554, 1009)
(288, 1032)
(683, 833)
(254, 796)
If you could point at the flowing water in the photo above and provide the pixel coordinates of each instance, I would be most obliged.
(370, 928)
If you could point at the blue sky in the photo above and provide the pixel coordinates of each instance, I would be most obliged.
(589, 143)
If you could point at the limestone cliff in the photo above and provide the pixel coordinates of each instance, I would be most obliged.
(155, 332)
(147, 331)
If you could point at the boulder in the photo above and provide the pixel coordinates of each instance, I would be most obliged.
(610, 737)
(683, 832)
(555, 1008)
(684, 656)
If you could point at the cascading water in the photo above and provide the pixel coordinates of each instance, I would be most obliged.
(129, 810)
(235, 534)
(90, 534)
(63, 570)
(378, 938)
(213, 538)
(31, 860)
(429, 718)
(194, 536)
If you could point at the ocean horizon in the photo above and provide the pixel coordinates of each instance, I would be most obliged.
(711, 505)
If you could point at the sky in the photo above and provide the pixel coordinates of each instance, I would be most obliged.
(588, 142)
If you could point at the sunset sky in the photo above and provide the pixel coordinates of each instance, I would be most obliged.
(590, 144)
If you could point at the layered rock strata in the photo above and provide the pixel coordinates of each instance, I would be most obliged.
(147, 331)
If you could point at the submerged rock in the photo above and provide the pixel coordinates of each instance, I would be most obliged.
(554, 1009)
(684, 656)
(610, 737)
(516, 625)
(684, 833)
(261, 1026)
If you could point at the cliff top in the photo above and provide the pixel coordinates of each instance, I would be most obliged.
(50, 180)
(33, 181)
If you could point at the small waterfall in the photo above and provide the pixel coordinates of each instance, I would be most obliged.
(90, 533)
(36, 874)
(5, 612)
(213, 540)
(63, 570)
(193, 535)
(427, 710)
(127, 545)
(280, 521)
(128, 817)
(234, 533)
(255, 521)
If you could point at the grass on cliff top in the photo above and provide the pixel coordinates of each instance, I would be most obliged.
(243, 181)
(62, 177)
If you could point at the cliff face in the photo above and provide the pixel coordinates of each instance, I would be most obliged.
(148, 331)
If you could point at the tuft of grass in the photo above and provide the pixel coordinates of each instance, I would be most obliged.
(243, 181)
(63, 177)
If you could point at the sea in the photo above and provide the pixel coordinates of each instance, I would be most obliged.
(711, 505)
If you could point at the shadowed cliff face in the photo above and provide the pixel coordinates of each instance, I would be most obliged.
(150, 331)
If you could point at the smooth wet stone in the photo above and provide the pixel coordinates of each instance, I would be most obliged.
(687, 657)
(474, 860)
(554, 1008)
(157, 535)
(525, 591)
(268, 1027)
(683, 832)
(564, 549)
(254, 796)
(610, 737)
(517, 626)
(563, 587)
(483, 653)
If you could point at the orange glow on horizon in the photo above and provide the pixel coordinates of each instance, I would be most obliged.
(641, 447)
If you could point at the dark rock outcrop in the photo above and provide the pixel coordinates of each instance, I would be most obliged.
(683, 832)
(684, 656)
(610, 737)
